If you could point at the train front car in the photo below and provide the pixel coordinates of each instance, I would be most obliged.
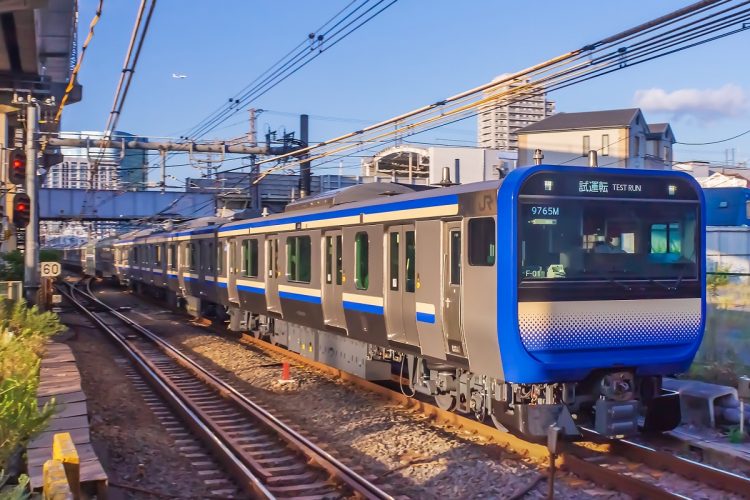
(602, 295)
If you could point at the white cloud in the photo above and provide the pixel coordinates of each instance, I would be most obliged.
(729, 100)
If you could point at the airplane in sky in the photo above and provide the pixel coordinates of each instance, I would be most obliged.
(178, 76)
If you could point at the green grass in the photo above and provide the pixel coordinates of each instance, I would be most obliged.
(23, 333)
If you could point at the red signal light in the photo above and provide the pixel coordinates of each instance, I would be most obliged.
(17, 170)
(21, 210)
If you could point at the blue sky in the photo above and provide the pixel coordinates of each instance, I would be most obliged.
(416, 52)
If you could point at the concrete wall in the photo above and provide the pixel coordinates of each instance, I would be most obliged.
(728, 247)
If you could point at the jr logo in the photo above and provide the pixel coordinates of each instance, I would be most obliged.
(486, 204)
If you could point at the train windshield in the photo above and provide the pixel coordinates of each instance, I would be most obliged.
(590, 239)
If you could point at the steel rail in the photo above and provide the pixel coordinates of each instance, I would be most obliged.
(573, 459)
(321, 458)
(690, 469)
(249, 482)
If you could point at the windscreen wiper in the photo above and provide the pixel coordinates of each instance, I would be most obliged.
(621, 284)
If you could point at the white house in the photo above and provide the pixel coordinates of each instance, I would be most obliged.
(621, 138)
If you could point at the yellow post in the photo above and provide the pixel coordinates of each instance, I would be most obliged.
(55, 482)
(64, 451)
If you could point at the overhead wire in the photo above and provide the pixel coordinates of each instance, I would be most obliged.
(582, 67)
(74, 74)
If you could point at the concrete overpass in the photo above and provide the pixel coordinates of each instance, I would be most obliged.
(84, 205)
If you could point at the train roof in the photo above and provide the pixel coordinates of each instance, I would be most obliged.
(409, 199)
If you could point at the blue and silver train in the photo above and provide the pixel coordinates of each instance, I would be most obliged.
(557, 295)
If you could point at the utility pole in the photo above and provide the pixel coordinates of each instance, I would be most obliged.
(252, 139)
(304, 167)
(31, 251)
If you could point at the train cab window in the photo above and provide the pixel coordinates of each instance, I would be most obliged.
(172, 256)
(135, 255)
(482, 241)
(329, 260)
(339, 260)
(455, 257)
(393, 242)
(666, 238)
(411, 255)
(361, 261)
(299, 255)
(250, 258)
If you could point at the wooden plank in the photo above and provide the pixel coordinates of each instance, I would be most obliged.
(67, 398)
(72, 410)
(91, 472)
(37, 456)
(44, 440)
(67, 423)
(55, 387)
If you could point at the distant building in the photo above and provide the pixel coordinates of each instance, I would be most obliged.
(234, 191)
(116, 170)
(424, 165)
(621, 138)
(497, 122)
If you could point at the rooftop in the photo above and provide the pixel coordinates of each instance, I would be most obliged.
(585, 120)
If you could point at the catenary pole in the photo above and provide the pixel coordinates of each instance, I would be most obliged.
(31, 251)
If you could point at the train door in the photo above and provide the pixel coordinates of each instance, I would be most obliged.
(333, 279)
(452, 250)
(400, 287)
(273, 271)
(232, 269)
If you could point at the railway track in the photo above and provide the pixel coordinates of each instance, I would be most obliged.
(628, 467)
(266, 457)
(625, 466)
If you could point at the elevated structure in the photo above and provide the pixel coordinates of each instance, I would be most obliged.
(82, 205)
(409, 164)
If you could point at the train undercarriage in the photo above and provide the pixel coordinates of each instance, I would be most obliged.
(612, 403)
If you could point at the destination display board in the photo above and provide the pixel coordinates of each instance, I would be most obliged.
(604, 185)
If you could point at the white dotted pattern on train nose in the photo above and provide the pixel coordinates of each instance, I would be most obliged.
(597, 330)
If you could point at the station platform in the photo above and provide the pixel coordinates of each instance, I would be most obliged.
(61, 380)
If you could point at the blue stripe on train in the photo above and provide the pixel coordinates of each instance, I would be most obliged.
(366, 308)
(425, 317)
(300, 297)
(251, 289)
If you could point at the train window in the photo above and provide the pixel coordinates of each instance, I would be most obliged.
(482, 241)
(192, 250)
(393, 241)
(172, 256)
(455, 248)
(411, 255)
(135, 255)
(271, 256)
(339, 260)
(361, 261)
(250, 258)
(210, 256)
(298, 254)
(157, 255)
(221, 255)
(666, 238)
(329, 260)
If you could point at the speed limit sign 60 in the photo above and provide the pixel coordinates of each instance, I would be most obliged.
(50, 269)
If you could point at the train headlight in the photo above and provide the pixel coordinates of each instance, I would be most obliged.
(672, 190)
(548, 185)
